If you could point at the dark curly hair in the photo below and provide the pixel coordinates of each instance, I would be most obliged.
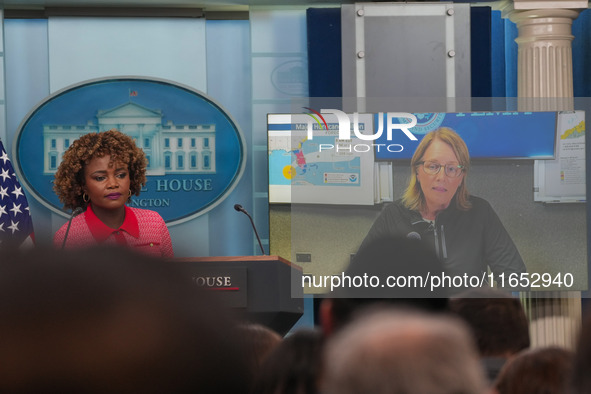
(69, 178)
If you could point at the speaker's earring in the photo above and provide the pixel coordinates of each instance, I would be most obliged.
(129, 193)
(85, 197)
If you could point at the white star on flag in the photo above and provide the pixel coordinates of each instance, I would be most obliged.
(17, 192)
(18, 218)
(16, 209)
(4, 174)
(13, 226)
(4, 156)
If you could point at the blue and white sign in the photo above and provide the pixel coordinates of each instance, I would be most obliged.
(488, 135)
(196, 152)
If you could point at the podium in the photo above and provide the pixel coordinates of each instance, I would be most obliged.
(261, 289)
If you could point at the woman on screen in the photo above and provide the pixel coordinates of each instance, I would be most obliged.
(98, 174)
(437, 209)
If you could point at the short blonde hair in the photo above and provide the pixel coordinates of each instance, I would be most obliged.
(413, 197)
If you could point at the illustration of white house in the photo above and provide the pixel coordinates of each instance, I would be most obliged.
(169, 148)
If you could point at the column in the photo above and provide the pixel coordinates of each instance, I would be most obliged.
(545, 82)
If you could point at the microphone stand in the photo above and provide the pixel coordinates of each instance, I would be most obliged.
(239, 208)
(75, 213)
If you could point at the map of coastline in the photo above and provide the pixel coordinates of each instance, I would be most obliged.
(304, 163)
(575, 132)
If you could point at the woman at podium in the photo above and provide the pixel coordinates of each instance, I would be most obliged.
(436, 209)
(96, 178)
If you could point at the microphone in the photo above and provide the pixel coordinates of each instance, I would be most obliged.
(75, 213)
(414, 235)
(239, 208)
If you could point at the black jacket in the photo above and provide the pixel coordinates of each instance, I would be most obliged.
(465, 241)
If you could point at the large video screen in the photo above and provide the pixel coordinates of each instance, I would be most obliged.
(528, 167)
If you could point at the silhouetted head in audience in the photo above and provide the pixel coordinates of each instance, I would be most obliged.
(536, 371)
(402, 352)
(293, 367)
(498, 322)
(111, 321)
(259, 341)
(394, 271)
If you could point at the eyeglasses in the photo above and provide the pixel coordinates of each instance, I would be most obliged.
(432, 168)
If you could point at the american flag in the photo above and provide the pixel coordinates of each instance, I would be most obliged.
(16, 226)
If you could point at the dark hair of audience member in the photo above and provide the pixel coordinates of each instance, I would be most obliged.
(259, 341)
(109, 320)
(385, 258)
(536, 371)
(497, 320)
(293, 367)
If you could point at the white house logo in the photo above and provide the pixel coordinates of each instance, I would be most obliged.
(170, 148)
(195, 151)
